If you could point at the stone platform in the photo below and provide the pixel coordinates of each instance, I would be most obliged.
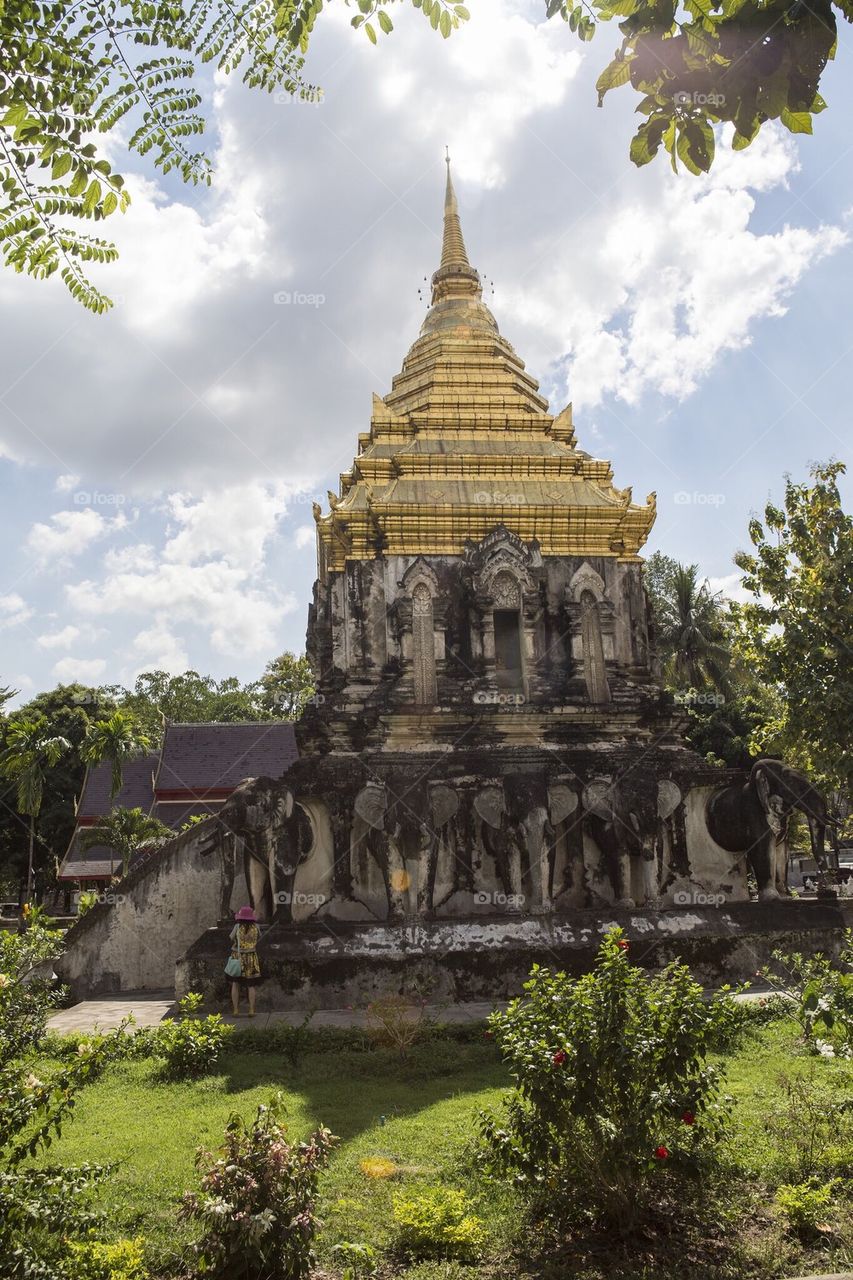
(332, 965)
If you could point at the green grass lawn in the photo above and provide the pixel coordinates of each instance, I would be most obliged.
(420, 1115)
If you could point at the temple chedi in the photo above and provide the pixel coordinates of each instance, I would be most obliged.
(489, 774)
(481, 644)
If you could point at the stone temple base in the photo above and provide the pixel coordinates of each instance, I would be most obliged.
(325, 966)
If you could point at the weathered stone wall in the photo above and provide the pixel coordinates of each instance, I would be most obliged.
(489, 959)
(131, 939)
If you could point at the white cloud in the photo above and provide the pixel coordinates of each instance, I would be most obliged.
(233, 523)
(65, 483)
(729, 585)
(13, 611)
(674, 282)
(58, 639)
(305, 536)
(68, 535)
(157, 649)
(79, 670)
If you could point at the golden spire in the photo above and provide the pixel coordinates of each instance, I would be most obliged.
(455, 277)
(453, 246)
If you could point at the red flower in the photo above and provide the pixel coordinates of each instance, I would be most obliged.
(687, 1117)
(488, 1034)
(622, 945)
(559, 1057)
(661, 1153)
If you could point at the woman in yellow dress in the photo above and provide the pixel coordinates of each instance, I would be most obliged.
(244, 947)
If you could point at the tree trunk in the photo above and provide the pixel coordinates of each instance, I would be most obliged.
(29, 892)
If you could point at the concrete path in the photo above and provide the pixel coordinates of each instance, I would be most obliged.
(150, 1009)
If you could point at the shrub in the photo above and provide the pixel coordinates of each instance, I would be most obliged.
(40, 1208)
(191, 1046)
(820, 995)
(358, 1260)
(437, 1223)
(805, 1204)
(809, 1121)
(612, 1087)
(100, 1260)
(395, 1022)
(257, 1202)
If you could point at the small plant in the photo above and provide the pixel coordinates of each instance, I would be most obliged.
(613, 1090)
(358, 1260)
(396, 1022)
(809, 1121)
(437, 1223)
(257, 1200)
(191, 1045)
(820, 997)
(99, 1260)
(86, 900)
(805, 1204)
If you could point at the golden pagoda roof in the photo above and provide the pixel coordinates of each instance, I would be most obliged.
(464, 442)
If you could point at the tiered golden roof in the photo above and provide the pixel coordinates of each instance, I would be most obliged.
(464, 442)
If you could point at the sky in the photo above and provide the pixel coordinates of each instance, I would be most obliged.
(158, 464)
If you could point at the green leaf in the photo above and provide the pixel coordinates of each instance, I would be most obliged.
(444, 24)
(796, 121)
(385, 22)
(616, 73)
(61, 165)
(371, 34)
(92, 196)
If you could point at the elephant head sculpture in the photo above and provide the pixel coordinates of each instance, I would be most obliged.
(276, 836)
(376, 829)
(623, 825)
(752, 819)
(520, 836)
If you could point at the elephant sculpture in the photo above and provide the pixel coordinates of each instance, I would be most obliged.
(276, 836)
(752, 819)
(518, 827)
(624, 825)
(377, 831)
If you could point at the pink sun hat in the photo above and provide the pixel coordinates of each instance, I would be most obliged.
(246, 913)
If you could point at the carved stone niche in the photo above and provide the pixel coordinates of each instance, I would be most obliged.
(421, 615)
(502, 572)
(593, 618)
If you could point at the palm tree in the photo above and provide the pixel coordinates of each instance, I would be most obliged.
(691, 629)
(117, 739)
(30, 749)
(124, 832)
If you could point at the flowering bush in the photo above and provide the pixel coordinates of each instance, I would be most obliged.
(437, 1223)
(612, 1085)
(820, 997)
(191, 1046)
(26, 995)
(257, 1202)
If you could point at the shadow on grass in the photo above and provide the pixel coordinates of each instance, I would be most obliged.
(352, 1092)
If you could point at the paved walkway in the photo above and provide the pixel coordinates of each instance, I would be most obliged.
(150, 1009)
